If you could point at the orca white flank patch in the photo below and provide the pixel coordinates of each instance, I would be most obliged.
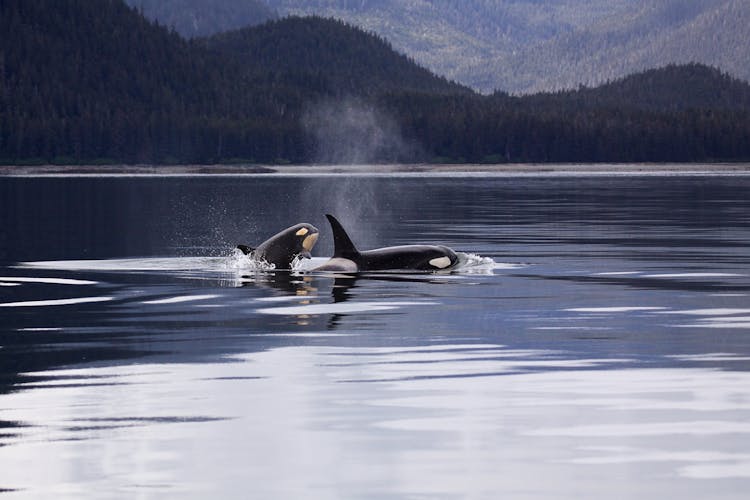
(440, 262)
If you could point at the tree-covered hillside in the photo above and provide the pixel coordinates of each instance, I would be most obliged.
(711, 32)
(677, 113)
(86, 81)
(327, 52)
(92, 80)
(193, 18)
(540, 45)
(671, 88)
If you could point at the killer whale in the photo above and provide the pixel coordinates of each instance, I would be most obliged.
(281, 249)
(347, 258)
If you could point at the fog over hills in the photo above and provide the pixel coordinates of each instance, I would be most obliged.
(525, 46)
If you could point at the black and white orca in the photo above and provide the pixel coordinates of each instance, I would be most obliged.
(346, 257)
(283, 248)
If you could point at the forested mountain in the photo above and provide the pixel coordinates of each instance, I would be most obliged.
(93, 79)
(86, 81)
(542, 45)
(192, 18)
(676, 113)
(712, 32)
(328, 54)
(671, 88)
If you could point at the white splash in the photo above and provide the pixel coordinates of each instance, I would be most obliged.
(239, 261)
(471, 263)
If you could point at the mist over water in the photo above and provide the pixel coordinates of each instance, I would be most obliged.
(356, 203)
(350, 131)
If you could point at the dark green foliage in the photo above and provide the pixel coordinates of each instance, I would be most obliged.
(92, 81)
(520, 132)
(329, 54)
(672, 88)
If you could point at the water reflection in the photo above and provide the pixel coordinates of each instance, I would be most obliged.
(604, 349)
(403, 418)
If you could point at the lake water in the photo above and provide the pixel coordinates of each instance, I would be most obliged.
(595, 345)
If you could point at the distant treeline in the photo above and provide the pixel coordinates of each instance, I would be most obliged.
(87, 81)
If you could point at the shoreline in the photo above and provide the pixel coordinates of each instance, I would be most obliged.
(385, 170)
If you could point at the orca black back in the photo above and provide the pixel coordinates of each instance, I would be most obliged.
(347, 258)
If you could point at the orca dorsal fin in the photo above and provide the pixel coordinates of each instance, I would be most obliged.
(342, 244)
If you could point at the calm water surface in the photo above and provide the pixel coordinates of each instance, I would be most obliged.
(595, 344)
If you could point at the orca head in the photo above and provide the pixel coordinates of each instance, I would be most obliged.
(307, 236)
(282, 248)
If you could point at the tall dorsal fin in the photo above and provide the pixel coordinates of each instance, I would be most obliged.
(342, 244)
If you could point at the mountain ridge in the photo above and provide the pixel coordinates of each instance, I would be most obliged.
(674, 87)
(194, 18)
(355, 62)
(96, 82)
(527, 46)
